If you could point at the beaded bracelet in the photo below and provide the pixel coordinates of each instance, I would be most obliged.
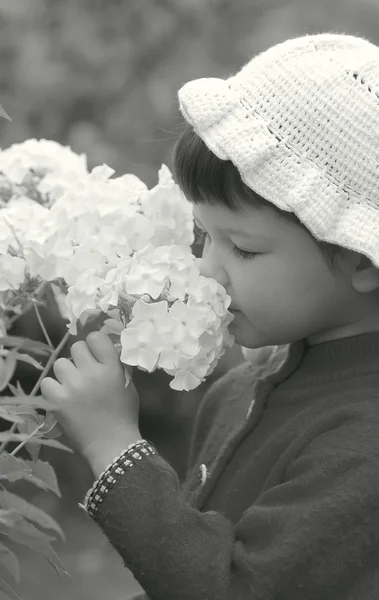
(126, 459)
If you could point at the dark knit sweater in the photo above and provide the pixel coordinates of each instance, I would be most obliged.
(290, 506)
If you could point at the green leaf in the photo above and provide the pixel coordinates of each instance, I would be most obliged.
(6, 588)
(7, 368)
(30, 512)
(26, 344)
(21, 437)
(13, 469)
(10, 562)
(19, 530)
(8, 416)
(25, 533)
(32, 420)
(30, 360)
(9, 518)
(49, 424)
(43, 476)
(17, 390)
(33, 451)
(21, 409)
(39, 473)
(4, 114)
(36, 401)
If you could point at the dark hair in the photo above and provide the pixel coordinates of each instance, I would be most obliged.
(206, 179)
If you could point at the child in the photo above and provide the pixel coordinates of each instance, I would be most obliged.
(281, 499)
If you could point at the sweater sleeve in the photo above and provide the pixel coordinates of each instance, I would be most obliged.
(315, 535)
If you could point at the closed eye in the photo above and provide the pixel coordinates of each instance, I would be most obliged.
(201, 236)
(244, 254)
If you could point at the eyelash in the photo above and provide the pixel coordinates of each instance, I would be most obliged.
(201, 236)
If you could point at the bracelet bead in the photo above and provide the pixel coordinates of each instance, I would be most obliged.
(128, 458)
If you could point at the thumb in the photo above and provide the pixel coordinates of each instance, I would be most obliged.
(102, 347)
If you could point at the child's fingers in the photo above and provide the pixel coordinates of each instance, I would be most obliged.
(52, 390)
(102, 348)
(63, 369)
(82, 355)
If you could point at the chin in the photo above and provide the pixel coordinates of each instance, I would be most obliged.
(242, 338)
(246, 337)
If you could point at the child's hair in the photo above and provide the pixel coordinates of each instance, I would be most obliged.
(206, 179)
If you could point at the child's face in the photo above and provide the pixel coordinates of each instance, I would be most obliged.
(284, 293)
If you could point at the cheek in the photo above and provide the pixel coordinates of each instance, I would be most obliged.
(283, 287)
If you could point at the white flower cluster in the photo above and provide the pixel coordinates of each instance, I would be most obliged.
(40, 170)
(165, 313)
(102, 220)
(92, 222)
(110, 245)
(33, 175)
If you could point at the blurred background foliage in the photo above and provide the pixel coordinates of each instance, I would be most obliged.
(102, 76)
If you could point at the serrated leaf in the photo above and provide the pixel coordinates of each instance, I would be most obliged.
(21, 437)
(57, 563)
(13, 469)
(10, 562)
(24, 400)
(55, 432)
(8, 590)
(25, 533)
(32, 421)
(9, 519)
(49, 423)
(20, 409)
(33, 451)
(30, 360)
(44, 476)
(8, 416)
(18, 529)
(38, 472)
(26, 344)
(4, 114)
(30, 512)
(7, 368)
(17, 391)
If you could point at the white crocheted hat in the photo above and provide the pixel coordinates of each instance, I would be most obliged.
(300, 121)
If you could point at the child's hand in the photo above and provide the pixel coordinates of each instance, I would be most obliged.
(94, 408)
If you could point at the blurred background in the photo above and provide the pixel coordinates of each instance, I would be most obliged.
(102, 76)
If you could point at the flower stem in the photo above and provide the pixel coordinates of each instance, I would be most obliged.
(22, 444)
(53, 357)
(42, 325)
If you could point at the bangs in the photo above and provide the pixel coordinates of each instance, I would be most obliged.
(206, 179)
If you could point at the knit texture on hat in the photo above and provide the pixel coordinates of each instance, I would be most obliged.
(300, 121)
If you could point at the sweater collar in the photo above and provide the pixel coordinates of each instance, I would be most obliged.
(333, 360)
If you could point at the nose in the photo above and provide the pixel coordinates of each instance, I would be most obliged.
(209, 268)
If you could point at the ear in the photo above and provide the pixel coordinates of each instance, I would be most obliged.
(365, 276)
(366, 279)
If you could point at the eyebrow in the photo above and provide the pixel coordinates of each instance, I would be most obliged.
(245, 234)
